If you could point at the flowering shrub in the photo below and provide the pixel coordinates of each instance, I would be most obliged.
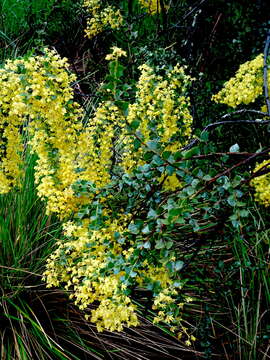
(102, 257)
(246, 87)
(132, 202)
(102, 179)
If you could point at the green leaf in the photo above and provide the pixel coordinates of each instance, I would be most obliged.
(237, 180)
(153, 145)
(243, 213)
(135, 124)
(231, 201)
(170, 170)
(178, 155)
(180, 220)
(190, 190)
(146, 230)
(169, 244)
(147, 245)
(178, 265)
(133, 228)
(160, 244)
(175, 212)
(152, 214)
(235, 224)
(204, 136)
(166, 154)
(157, 160)
(133, 274)
(192, 152)
(121, 240)
(234, 148)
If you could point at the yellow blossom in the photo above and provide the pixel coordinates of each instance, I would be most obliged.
(152, 6)
(245, 87)
(101, 18)
(262, 184)
(116, 53)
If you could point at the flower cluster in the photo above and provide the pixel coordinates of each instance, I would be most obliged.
(101, 18)
(116, 54)
(262, 184)
(245, 87)
(36, 97)
(81, 263)
(152, 6)
(162, 302)
(160, 112)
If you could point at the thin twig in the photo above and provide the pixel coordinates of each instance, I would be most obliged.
(227, 122)
(196, 7)
(262, 171)
(244, 111)
(237, 154)
(227, 171)
(19, 270)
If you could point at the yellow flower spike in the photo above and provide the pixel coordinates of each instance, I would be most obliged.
(245, 86)
(30, 93)
(158, 102)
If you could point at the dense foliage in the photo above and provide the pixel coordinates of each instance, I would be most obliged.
(148, 213)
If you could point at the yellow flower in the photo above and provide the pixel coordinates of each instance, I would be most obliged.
(101, 18)
(262, 184)
(152, 6)
(159, 112)
(245, 87)
(116, 53)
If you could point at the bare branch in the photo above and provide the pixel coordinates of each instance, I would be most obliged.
(229, 170)
(227, 122)
(244, 111)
